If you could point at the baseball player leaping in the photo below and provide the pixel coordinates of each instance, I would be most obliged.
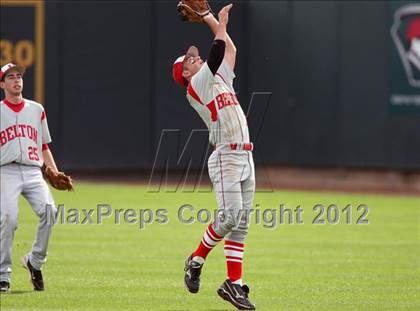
(210, 92)
(24, 138)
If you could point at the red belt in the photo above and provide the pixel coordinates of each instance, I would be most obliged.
(240, 146)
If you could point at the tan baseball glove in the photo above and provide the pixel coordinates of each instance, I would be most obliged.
(193, 10)
(58, 180)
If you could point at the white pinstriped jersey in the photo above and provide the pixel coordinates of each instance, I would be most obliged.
(214, 99)
(23, 133)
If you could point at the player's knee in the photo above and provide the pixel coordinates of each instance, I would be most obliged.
(8, 220)
(47, 213)
(225, 223)
(223, 226)
(237, 219)
(52, 214)
(52, 210)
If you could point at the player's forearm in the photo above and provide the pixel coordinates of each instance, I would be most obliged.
(213, 24)
(49, 159)
(221, 32)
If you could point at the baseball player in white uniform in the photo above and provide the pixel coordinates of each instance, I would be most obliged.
(231, 169)
(24, 139)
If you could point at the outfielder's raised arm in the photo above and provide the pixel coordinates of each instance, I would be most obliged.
(216, 55)
(218, 49)
(213, 23)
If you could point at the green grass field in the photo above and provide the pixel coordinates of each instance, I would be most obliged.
(374, 266)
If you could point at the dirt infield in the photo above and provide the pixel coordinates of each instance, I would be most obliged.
(293, 178)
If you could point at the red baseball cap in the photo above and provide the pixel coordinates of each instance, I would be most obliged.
(8, 67)
(178, 66)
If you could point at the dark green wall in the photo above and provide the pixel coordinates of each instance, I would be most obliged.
(109, 91)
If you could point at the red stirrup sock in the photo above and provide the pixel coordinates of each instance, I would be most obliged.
(234, 253)
(209, 241)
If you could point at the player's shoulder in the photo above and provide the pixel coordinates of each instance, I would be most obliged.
(226, 71)
(204, 73)
(33, 104)
(202, 79)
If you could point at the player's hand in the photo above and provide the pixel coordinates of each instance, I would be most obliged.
(224, 14)
(58, 180)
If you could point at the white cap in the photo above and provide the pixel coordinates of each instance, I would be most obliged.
(9, 66)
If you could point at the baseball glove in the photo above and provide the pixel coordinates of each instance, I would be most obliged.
(58, 180)
(193, 10)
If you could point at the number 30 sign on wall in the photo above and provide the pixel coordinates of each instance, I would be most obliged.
(22, 42)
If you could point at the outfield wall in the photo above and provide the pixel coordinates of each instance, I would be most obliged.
(320, 69)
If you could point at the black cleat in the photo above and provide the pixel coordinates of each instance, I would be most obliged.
(192, 275)
(236, 295)
(36, 275)
(4, 287)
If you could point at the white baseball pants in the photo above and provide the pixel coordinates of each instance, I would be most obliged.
(16, 179)
(232, 173)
